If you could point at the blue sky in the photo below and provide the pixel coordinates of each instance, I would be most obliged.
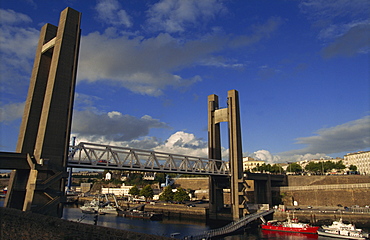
(146, 69)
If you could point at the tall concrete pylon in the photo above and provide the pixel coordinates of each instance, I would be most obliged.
(238, 186)
(46, 124)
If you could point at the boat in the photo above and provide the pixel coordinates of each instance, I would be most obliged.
(338, 229)
(107, 209)
(141, 214)
(267, 234)
(101, 207)
(90, 207)
(291, 225)
(138, 212)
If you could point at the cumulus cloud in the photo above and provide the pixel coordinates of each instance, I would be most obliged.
(11, 112)
(266, 156)
(351, 136)
(185, 144)
(110, 12)
(176, 15)
(147, 65)
(144, 66)
(112, 126)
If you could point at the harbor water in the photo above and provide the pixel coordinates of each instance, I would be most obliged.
(184, 227)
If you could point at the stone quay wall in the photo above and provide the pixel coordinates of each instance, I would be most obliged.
(332, 190)
(15, 224)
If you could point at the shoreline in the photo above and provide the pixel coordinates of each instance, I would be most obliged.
(201, 212)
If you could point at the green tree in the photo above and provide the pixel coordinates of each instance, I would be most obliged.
(294, 167)
(339, 165)
(160, 177)
(353, 168)
(276, 169)
(181, 195)
(313, 167)
(147, 192)
(167, 194)
(134, 191)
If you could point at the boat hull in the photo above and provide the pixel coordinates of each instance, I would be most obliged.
(333, 235)
(306, 230)
(141, 215)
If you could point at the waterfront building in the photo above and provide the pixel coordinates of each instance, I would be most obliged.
(249, 163)
(122, 191)
(359, 159)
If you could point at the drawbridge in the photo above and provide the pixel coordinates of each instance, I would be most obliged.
(91, 155)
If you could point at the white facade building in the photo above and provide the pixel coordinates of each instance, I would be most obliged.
(122, 191)
(359, 159)
(250, 163)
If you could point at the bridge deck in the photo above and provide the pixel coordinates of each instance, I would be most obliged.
(89, 155)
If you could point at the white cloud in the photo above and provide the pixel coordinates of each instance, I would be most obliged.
(185, 144)
(265, 155)
(17, 49)
(110, 12)
(144, 66)
(176, 15)
(149, 65)
(351, 136)
(343, 25)
(11, 17)
(11, 112)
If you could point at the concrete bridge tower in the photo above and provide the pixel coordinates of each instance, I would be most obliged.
(46, 123)
(237, 184)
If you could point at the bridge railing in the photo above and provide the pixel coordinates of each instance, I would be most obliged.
(90, 155)
(230, 228)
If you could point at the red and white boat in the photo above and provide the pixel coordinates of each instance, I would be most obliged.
(291, 225)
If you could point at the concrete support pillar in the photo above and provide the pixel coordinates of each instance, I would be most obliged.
(236, 155)
(216, 199)
(232, 116)
(46, 123)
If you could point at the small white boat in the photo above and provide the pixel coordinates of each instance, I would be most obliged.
(108, 209)
(90, 207)
(341, 230)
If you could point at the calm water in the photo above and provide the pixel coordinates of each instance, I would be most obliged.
(182, 226)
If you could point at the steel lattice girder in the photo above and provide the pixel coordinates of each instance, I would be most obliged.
(91, 155)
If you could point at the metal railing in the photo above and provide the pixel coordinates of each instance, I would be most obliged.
(90, 155)
(231, 227)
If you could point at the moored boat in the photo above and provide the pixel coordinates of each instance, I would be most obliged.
(341, 230)
(90, 207)
(141, 214)
(291, 225)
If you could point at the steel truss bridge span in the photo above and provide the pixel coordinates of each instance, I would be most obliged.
(91, 155)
